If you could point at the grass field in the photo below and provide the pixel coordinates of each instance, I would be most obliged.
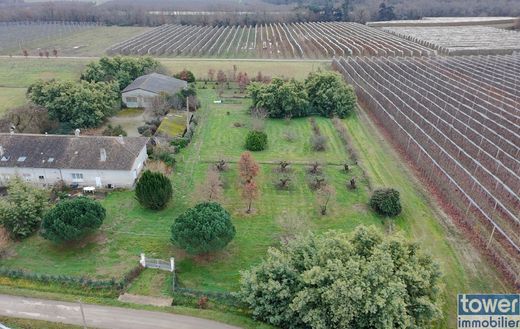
(130, 229)
(11, 97)
(89, 42)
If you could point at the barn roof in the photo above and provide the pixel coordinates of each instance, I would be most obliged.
(69, 151)
(157, 83)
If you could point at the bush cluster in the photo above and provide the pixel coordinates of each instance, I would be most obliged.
(204, 228)
(386, 202)
(153, 190)
(256, 141)
(71, 219)
(322, 93)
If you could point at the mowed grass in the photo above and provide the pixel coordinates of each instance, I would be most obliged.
(10, 98)
(22, 72)
(89, 42)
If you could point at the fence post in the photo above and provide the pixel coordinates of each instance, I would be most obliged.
(143, 260)
(172, 264)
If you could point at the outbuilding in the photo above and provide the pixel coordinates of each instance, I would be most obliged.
(141, 92)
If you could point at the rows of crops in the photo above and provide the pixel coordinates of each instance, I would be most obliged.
(15, 36)
(462, 40)
(457, 119)
(297, 40)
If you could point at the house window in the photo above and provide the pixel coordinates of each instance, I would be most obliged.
(21, 159)
(77, 177)
(41, 177)
(131, 99)
(27, 177)
(5, 158)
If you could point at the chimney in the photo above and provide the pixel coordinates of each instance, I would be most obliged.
(76, 132)
(102, 155)
(120, 139)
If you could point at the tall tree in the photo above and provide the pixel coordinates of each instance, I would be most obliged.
(81, 105)
(329, 95)
(22, 209)
(386, 12)
(247, 167)
(334, 280)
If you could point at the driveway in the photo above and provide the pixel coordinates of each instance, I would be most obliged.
(98, 316)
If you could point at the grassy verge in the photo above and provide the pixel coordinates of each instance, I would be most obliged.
(15, 323)
(11, 97)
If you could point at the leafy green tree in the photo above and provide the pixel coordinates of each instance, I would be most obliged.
(329, 95)
(153, 190)
(22, 209)
(256, 141)
(204, 228)
(114, 131)
(185, 75)
(281, 99)
(332, 280)
(72, 219)
(80, 105)
(386, 202)
(122, 70)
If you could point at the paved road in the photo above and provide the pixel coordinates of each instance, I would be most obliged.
(99, 316)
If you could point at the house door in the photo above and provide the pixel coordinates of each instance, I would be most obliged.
(98, 181)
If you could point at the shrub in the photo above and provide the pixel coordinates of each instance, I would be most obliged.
(329, 95)
(256, 141)
(318, 143)
(204, 228)
(386, 202)
(185, 75)
(114, 131)
(179, 143)
(153, 190)
(21, 210)
(71, 219)
(337, 280)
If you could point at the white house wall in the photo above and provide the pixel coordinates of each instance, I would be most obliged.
(46, 177)
(143, 98)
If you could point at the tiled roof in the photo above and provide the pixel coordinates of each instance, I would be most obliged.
(157, 83)
(69, 151)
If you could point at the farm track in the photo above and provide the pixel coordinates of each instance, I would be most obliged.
(270, 41)
(457, 120)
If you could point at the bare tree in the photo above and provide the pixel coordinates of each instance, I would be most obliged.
(291, 224)
(324, 195)
(211, 189)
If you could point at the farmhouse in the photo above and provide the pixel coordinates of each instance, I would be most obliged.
(141, 92)
(100, 161)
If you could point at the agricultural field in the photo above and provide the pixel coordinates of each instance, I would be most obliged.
(20, 35)
(129, 229)
(461, 40)
(272, 41)
(456, 119)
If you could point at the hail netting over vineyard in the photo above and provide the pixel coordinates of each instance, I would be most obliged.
(458, 120)
(16, 35)
(280, 40)
(462, 40)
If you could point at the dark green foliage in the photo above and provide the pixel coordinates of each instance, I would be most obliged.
(78, 105)
(71, 219)
(334, 280)
(114, 131)
(386, 202)
(185, 75)
(153, 190)
(204, 228)
(122, 70)
(179, 143)
(329, 95)
(256, 141)
(386, 12)
(21, 210)
(280, 98)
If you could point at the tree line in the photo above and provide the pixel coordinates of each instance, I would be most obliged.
(154, 14)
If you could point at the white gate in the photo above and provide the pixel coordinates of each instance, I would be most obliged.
(158, 263)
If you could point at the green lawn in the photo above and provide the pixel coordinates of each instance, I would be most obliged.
(21, 72)
(15, 323)
(11, 97)
(130, 229)
(89, 42)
